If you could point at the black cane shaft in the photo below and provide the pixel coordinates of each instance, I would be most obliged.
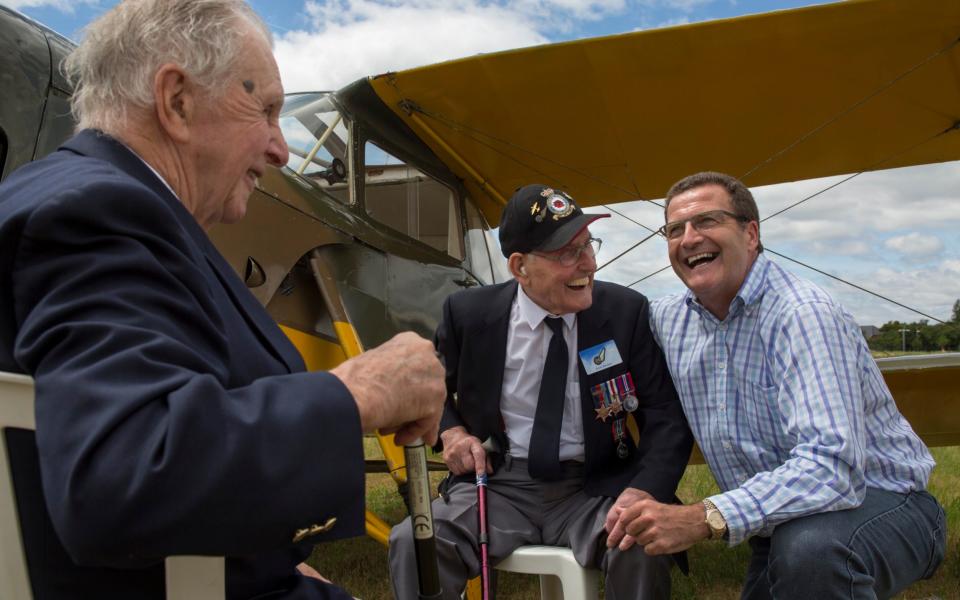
(428, 575)
(421, 519)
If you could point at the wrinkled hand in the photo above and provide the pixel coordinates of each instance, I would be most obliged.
(463, 452)
(617, 536)
(398, 387)
(659, 528)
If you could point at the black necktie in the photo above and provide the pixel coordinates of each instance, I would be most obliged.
(544, 457)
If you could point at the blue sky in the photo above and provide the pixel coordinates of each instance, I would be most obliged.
(895, 232)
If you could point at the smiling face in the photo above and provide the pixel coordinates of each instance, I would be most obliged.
(554, 287)
(238, 135)
(714, 262)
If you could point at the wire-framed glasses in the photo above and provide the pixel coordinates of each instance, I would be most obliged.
(570, 255)
(701, 222)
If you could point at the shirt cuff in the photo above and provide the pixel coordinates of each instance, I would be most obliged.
(742, 512)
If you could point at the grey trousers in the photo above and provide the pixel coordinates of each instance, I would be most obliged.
(521, 511)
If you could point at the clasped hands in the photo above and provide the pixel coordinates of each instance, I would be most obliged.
(637, 518)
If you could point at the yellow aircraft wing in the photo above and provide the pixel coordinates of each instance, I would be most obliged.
(782, 96)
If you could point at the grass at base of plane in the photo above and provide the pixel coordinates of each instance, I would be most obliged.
(360, 564)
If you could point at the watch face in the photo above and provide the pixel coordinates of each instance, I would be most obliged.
(715, 520)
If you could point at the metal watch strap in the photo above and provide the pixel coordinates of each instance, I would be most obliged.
(715, 533)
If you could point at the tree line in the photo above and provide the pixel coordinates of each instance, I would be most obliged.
(919, 336)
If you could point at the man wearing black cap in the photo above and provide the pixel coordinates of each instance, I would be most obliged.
(555, 370)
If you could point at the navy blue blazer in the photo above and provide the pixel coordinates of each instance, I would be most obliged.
(472, 337)
(173, 416)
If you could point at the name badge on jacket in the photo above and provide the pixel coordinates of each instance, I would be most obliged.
(600, 357)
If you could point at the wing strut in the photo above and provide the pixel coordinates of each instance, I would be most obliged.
(351, 345)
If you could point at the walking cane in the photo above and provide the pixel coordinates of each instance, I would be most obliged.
(421, 518)
(484, 555)
(490, 446)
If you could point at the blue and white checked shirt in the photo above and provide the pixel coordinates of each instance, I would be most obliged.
(786, 402)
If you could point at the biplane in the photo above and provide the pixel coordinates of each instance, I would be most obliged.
(396, 181)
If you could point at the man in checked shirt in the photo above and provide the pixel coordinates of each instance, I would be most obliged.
(819, 471)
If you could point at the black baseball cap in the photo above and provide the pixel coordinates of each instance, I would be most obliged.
(539, 217)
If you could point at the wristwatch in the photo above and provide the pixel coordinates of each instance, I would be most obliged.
(715, 521)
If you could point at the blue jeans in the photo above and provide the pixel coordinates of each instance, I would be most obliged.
(872, 551)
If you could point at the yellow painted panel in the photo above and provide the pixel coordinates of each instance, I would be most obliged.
(775, 97)
(930, 400)
(318, 354)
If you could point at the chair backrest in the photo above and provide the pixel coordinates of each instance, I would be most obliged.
(16, 410)
(187, 577)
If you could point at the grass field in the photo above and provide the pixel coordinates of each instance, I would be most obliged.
(360, 565)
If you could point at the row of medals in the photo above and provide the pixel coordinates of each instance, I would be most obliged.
(629, 403)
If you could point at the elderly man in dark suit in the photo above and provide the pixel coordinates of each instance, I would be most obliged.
(552, 366)
(173, 416)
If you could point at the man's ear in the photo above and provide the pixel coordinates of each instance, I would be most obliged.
(175, 101)
(515, 264)
(753, 234)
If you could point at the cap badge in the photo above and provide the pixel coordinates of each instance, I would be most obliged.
(560, 206)
(539, 212)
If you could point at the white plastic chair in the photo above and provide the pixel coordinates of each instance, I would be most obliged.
(187, 577)
(561, 577)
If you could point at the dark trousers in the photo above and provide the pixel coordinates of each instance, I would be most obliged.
(872, 551)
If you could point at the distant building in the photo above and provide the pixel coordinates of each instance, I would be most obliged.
(869, 331)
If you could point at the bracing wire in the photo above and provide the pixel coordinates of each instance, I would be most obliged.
(862, 289)
(872, 167)
(626, 251)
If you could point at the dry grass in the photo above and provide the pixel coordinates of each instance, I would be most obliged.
(360, 565)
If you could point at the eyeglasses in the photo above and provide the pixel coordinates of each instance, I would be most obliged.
(701, 222)
(570, 255)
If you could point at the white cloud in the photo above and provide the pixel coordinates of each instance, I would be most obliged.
(843, 248)
(915, 244)
(356, 38)
(580, 9)
(931, 291)
(67, 6)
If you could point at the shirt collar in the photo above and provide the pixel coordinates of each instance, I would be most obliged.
(155, 172)
(751, 291)
(533, 314)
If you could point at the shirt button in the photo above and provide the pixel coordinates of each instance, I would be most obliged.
(721, 365)
(726, 445)
(722, 406)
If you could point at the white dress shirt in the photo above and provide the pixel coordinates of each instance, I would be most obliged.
(528, 339)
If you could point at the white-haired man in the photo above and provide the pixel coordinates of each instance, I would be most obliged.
(554, 366)
(173, 416)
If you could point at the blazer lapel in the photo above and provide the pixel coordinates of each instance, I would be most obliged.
(593, 328)
(489, 376)
(251, 309)
(96, 144)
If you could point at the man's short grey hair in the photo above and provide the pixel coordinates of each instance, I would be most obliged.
(743, 203)
(113, 68)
